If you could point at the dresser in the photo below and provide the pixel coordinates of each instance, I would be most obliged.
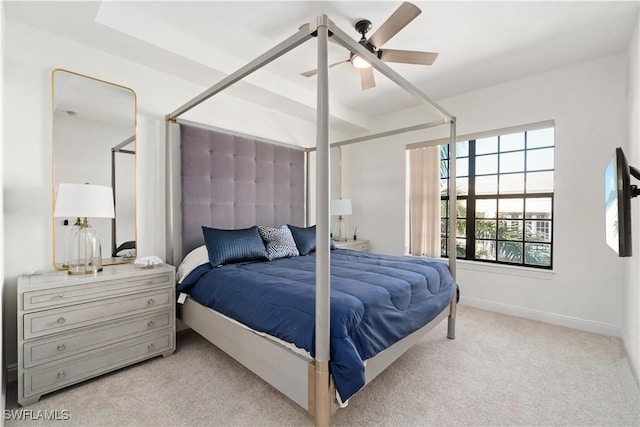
(71, 328)
(354, 245)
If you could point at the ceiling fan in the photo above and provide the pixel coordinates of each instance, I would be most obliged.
(406, 13)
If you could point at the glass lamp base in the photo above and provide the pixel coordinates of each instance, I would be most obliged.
(85, 251)
(82, 270)
(341, 235)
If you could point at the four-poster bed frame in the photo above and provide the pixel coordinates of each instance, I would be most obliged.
(307, 383)
(119, 148)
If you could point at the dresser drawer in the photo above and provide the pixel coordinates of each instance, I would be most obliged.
(354, 245)
(363, 247)
(75, 316)
(39, 381)
(65, 295)
(38, 352)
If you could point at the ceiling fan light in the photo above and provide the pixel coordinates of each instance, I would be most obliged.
(358, 62)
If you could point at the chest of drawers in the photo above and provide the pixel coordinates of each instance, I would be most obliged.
(71, 328)
(354, 245)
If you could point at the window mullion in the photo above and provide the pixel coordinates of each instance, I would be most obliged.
(471, 204)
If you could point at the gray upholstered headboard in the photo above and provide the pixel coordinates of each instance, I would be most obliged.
(232, 182)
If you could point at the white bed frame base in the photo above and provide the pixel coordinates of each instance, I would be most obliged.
(292, 375)
(287, 371)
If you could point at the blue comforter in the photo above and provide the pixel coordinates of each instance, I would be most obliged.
(376, 300)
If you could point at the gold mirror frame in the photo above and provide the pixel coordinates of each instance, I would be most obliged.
(91, 110)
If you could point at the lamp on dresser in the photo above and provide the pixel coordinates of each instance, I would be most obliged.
(83, 201)
(341, 207)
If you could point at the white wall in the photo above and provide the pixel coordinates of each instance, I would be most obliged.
(631, 284)
(29, 57)
(3, 382)
(587, 102)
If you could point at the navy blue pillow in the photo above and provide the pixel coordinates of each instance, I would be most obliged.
(229, 246)
(306, 239)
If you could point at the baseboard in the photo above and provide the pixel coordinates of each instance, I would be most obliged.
(543, 316)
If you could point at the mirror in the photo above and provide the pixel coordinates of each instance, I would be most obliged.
(94, 141)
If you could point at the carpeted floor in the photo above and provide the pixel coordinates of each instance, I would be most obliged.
(500, 370)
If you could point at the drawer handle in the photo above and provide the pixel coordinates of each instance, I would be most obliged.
(60, 320)
(151, 347)
(61, 375)
(151, 324)
(149, 282)
(150, 301)
(61, 348)
(59, 296)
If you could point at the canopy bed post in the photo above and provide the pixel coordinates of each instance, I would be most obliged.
(307, 192)
(117, 149)
(172, 134)
(380, 66)
(274, 53)
(388, 133)
(173, 193)
(453, 200)
(322, 398)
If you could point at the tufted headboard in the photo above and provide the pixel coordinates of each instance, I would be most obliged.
(230, 182)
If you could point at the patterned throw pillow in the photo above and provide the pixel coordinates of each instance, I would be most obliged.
(278, 241)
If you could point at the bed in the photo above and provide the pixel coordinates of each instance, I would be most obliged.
(376, 300)
(205, 191)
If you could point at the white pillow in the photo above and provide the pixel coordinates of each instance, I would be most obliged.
(127, 253)
(194, 259)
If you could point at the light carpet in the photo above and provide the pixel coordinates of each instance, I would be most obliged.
(500, 370)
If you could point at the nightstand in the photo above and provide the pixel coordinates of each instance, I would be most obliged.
(72, 328)
(354, 245)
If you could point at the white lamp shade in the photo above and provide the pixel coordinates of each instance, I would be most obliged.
(84, 201)
(341, 207)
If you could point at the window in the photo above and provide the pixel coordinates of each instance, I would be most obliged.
(504, 209)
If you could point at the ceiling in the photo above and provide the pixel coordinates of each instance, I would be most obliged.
(480, 44)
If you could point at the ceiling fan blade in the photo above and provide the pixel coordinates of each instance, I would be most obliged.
(408, 56)
(406, 13)
(315, 71)
(309, 73)
(367, 79)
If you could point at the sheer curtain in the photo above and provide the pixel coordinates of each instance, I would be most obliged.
(424, 201)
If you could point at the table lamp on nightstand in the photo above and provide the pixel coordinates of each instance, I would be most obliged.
(84, 251)
(341, 207)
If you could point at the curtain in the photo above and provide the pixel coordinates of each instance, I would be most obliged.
(424, 201)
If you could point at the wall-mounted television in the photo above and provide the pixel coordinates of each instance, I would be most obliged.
(618, 195)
